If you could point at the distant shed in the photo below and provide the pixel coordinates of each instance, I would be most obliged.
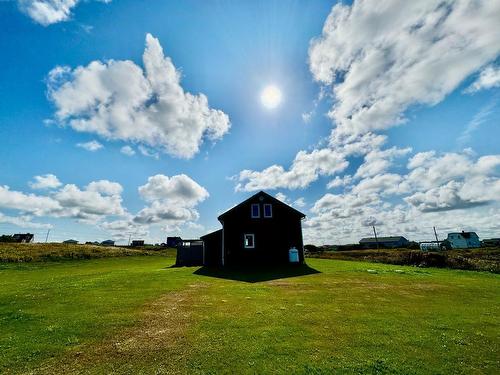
(23, 237)
(391, 242)
(190, 253)
(174, 241)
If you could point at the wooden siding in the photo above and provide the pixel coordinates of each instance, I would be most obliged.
(274, 236)
(212, 247)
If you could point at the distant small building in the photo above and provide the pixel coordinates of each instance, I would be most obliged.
(108, 243)
(463, 240)
(490, 242)
(431, 246)
(189, 253)
(71, 242)
(391, 242)
(137, 243)
(174, 241)
(23, 237)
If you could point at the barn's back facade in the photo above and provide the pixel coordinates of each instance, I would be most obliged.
(258, 231)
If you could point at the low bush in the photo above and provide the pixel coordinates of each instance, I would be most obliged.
(468, 259)
(312, 249)
(42, 252)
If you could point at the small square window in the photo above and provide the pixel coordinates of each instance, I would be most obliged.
(268, 210)
(249, 241)
(255, 211)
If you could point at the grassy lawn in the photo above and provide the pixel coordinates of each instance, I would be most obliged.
(137, 315)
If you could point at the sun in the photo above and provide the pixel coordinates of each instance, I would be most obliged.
(271, 97)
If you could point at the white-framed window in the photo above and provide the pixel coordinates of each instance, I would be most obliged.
(268, 210)
(255, 210)
(249, 241)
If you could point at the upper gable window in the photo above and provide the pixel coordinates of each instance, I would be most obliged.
(268, 210)
(255, 210)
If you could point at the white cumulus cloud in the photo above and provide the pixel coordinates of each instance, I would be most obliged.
(47, 181)
(24, 221)
(127, 150)
(105, 187)
(47, 12)
(93, 203)
(488, 78)
(172, 200)
(36, 204)
(91, 146)
(306, 168)
(120, 100)
(378, 161)
(179, 189)
(148, 152)
(381, 57)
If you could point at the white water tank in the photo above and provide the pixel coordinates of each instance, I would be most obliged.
(293, 255)
(430, 246)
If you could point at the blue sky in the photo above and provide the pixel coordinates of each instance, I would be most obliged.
(389, 116)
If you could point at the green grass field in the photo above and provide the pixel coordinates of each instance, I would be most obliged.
(137, 315)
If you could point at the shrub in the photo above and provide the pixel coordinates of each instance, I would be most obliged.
(21, 252)
(471, 259)
(312, 248)
(6, 238)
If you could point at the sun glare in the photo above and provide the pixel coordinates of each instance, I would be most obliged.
(270, 97)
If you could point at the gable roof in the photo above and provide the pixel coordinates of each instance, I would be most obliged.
(465, 234)
(214, 233)
(270, 197)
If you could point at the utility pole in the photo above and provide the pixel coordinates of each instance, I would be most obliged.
(47, 237)
(435, 234)
(375, 233)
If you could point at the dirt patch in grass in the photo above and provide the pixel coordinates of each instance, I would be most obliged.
(158, 342)
(284, 284)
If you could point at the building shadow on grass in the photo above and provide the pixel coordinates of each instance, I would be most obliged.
(255, 275)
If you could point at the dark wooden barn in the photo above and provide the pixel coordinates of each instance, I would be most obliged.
(259, 231)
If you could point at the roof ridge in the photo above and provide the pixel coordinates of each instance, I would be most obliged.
(254, 195)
